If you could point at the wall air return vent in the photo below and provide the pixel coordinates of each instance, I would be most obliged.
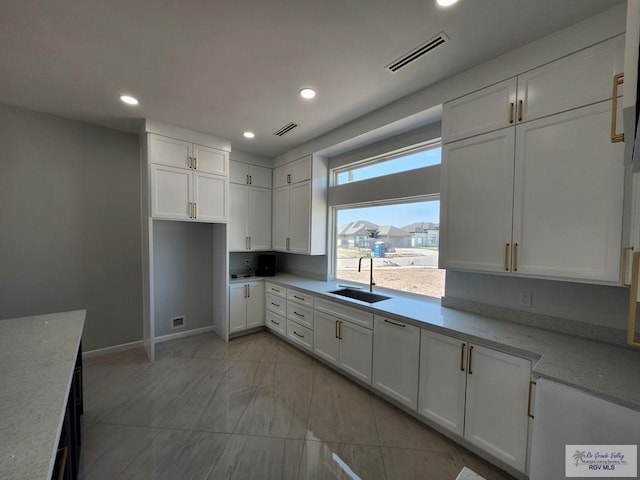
(286, 129)
(410, 57)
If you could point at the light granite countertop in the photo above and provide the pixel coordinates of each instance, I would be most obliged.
(37, 358)
(605, 370)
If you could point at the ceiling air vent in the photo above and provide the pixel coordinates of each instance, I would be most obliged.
(286, 129)
(428, 46)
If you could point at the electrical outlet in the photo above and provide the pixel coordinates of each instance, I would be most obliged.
(177, 322)
(525, 299)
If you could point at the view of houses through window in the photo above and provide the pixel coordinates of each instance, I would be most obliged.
(403, 240)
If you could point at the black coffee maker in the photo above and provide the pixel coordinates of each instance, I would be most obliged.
(266, 266)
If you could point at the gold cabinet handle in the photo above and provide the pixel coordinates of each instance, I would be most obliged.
(297, 334)
(288, 243)
(470, 358)
(190, 209)
(249, 243)
(520, 108)
(246, 179)
(299, 298)
(250, 179)
(195, 210)
(248, 291)
(337, 329)
(506, 257)
(395, 323)
(531, 384)
(274, 289)
(515, 257)
(275, 304)
(463, 347)
(633, 301)
(273, 321)
(511, 105)
(288, 178)
(340, 330)
(625, 258)
(616, 137)
(195, 163)
(189, 160)
(298, 314)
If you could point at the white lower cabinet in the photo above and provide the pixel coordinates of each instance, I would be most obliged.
(477, 392)
(246, 306)
(343, 344)
(276, 308)
(396, 359)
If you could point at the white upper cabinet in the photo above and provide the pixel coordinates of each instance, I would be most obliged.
(568, 197)
(300, 208)
(188, 181)
(543, 197)
(491, 108)
(294, 172)
(476, 202)
(580, 79)
(249, 225)
(245, 174)
(556, 87)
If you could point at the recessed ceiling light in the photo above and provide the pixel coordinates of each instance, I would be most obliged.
(307, 93)
(128, 99)
(249, 135)
(446, 3)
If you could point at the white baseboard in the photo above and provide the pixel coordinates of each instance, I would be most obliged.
(187, 333)
(116, 348)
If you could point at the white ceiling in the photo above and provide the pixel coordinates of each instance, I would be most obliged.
(225, 67)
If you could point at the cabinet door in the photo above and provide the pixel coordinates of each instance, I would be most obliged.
(170, 192)
(280, 176)
(237, 307)
(280, 231)
(356, 348)
(238, 172)
(568, 196)
(560, 86)
(259, 221)
(260, 176)
(211, 160)
(300, 170)
(476, 202)
(210, 196)
(443, 379)
(497, 401)
(300, 218)
(489, 109)
(396, 359)
(169, 151)
(255, 304)
(326, 343)
(238, 222)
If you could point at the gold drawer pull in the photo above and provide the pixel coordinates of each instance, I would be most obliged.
(625, 256)
(615, 136)
(275, 304)
(297, 334)
(511, 105)
(520, 105)
(515, 257)
(273, 321)
(395, 323)
(298, 314)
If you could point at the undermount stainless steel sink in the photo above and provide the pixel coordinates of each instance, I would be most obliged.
(360, 295)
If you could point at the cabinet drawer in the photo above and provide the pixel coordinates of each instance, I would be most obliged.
(300, 314)
(299, 297)
(276, 290)
(300, 334)
(276, 323)
(354, 315)
(276, 305)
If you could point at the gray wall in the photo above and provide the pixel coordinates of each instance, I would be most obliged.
(70, 224)
(183, 275)
(593, 304)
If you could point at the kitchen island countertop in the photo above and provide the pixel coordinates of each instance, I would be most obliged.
(37, 356)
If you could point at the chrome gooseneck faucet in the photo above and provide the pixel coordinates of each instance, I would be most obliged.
(371, 282)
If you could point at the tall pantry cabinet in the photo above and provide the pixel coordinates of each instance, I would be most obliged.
(184, 179)
(531, 183)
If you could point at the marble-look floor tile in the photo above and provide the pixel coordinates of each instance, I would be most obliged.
(174, 454)
(399, 430)
(108, 449)
(340, 411)
(259, 458)
(181, 347)
(484, 468)
(262, 348)
(280, 407)
(148, 404)
(406, 464)
(289, 354)
(322, 461)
